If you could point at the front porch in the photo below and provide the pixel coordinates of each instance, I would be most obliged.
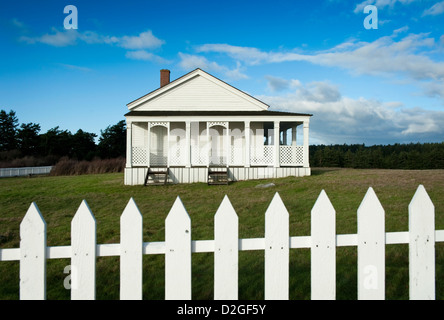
(249, 149)
(216, 143)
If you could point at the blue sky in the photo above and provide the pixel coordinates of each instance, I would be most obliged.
(372, 86)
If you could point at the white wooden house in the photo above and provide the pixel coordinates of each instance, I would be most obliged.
(198, 122)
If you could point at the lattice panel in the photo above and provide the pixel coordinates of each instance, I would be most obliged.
(159, 158)
(139, 156)
(236, 156)
(291, 155)
(199, 156)
(177, 155)
(263, 155)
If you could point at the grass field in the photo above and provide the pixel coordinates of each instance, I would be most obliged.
(59, 197)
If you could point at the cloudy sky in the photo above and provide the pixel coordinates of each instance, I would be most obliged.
(367, 76)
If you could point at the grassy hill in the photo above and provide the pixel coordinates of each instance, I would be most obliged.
(59, 197)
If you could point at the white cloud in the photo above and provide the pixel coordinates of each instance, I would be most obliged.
(387, 56)
(434, 10)
(190, 62)
(277, 84)
(340, 119)
(69, 37)
(146, 56)
(252, 55)
(18, 24)
(74, 67)
(380, 4)
(56, 38)
(145, 40)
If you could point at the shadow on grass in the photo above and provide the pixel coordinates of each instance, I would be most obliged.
(320, 171)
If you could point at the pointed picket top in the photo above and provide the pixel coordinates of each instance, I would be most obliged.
(370, 204)
(323, 206)
(83, 260)
(323, 249)
(277, 245)
(226, 248)
(226, 209)
(131, 210)
(32, 222)
(177, 211)
(33, 216)
(84, 213)
(33, 255)
(421, 204)
(276, 208)
(422, 246)
(131, 247)
(371, 248)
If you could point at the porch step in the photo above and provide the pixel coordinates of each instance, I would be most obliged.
(158, 175)
(217, 175)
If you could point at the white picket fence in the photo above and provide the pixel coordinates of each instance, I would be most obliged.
(24, 171)
(178, 247)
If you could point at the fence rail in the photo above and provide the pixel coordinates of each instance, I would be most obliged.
(178, 247)
(18, 172)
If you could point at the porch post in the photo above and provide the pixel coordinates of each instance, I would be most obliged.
(306, 160)
(228, 144)
(284, 137)
(188, 144)
(208, 145)
(247, 144)
(168, 144)
(148, 144)
(129, 145)
(293, 135)
(276, 144)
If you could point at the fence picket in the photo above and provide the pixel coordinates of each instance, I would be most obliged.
(33, 255)
(131, 250)
(83, 260)
(323, 249)
(371, 248)
(277, 244)
(178, 253)
(226, 248)
(422, 246)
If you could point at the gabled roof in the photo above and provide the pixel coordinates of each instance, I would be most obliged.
(197, 91)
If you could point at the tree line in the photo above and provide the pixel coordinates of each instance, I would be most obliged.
(396, 156)
(25, 145)
(26, 142)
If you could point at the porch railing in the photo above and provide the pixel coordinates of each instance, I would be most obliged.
(200, 156)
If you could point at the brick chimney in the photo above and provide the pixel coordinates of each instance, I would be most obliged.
(164, 77)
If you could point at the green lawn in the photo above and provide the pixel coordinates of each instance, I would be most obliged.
(59, 197)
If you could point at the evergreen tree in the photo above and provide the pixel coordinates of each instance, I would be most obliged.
(8, 130)
(112, 142)
(28, 139)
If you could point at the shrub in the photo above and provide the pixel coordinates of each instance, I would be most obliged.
(68, 166)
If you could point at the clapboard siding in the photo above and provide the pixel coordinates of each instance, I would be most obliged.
(136, 176)
(199, 94)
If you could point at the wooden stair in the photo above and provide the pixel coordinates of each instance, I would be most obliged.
(158, 175)
(217, 175)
